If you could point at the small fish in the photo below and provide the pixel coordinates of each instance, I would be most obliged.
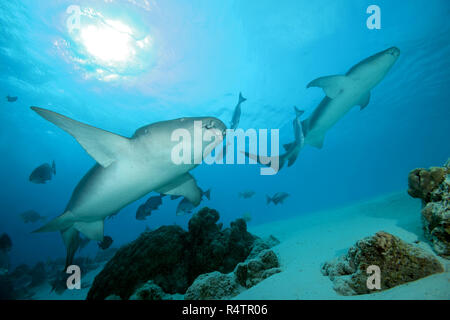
(106, 243)
(246, 194)
(31, 216)
(237, 113)
(186, 207)
(142, 212)
(43, 173)
(278, 198)
(152, 204)
(11, 99)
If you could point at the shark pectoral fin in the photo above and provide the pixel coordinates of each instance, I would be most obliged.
(364, 101)
(92, 230)
(105, 147)
(332, 85)
(184, 186)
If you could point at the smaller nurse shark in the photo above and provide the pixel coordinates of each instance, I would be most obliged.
(127, 169)
(343, 92)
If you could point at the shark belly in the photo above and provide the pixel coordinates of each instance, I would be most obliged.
(327, 114)
(104, 191)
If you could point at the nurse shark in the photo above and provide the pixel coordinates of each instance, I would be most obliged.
(127, 169)
(343, 92)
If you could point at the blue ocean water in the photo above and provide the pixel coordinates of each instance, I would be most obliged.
(192, 58)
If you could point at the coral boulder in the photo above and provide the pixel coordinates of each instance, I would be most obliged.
(398, 262)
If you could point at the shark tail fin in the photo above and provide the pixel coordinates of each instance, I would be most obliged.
(54, 167)
(241, 98)
(207, 194)
(268, 199)
(60, 223)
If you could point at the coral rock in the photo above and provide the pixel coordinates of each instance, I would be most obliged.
(398, 261)
(213, 286)
(433, 187)
(174, 258)
(149, 291)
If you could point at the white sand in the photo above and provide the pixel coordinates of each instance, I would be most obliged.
(310, 240)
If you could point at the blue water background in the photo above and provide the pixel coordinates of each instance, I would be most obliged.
(203, 54)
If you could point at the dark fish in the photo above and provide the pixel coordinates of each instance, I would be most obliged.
(152, 204)
(277, 198)
(5, 242)
(11, 99)
(106, 243)
(31, 216)
(186, 207)
(246, 194)
(142, 212)
(43, 173)
(237, 113)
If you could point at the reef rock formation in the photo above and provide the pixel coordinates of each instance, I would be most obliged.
(433, 187)
(149, 291)
(213, 286)
(174, 258)
(260, 264)
(399, 262)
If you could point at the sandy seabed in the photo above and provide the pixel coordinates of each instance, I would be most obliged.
(309, 240)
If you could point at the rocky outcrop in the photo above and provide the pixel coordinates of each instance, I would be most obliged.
(432, 186)
(149, 291)
(173, 258)
(260, 264)
(399, 262)
(213, 286)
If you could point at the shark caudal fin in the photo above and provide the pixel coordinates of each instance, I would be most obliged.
(268, 199)
(60, 223)
(241, 98)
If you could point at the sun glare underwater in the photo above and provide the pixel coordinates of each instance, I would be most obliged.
(272, 150)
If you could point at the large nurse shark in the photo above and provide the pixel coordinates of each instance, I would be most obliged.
(126, 170)
(343, 92)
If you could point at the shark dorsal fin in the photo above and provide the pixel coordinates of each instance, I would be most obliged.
(105, 147)
(331, 85)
